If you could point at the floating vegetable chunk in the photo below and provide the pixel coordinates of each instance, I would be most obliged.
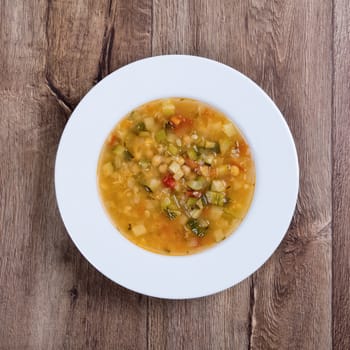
(176, 176)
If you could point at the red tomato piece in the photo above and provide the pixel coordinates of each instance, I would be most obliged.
(169, 181)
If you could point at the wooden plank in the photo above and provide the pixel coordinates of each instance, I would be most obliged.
(52, 53)
(341, 169)
(132, 31)
(289, 44)
(31, 230)
(285, 48)
(74, 32)
(102, 314)
(174, 27)
(220, 321)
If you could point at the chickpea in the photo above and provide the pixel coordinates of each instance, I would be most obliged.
(163, 168)
(186, 139)
(186, 169)
(157, 160)
(234, 170)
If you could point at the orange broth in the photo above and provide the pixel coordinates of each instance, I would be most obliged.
(176, 176)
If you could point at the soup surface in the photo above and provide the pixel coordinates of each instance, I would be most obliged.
(176, 176)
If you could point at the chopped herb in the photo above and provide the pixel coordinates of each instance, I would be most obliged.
(204, 200)
(198, 228)
(127, 155)
(170, 213)
(216, 147)
(139, 127)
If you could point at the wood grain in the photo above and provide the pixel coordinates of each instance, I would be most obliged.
(293, 289)
(220, 321)
(341, 169)
(51, 298)
(53, 52)
(267, 41)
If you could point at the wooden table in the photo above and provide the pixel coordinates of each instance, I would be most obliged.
(52, 52)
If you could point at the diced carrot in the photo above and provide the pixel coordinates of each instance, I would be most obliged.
(112, 140)
(195, 194)
(212, 172)
(243, 147)
(181, 124)
(191, 163)
(176, 120)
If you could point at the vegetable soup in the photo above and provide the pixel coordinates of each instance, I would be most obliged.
(176, 176)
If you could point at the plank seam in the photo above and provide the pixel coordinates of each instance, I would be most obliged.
(59, 96)
(251, 312)
(105, 55)
(104, 62)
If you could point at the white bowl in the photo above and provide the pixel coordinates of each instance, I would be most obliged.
(219, 267)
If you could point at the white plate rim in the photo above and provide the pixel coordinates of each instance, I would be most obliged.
(210, 271)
